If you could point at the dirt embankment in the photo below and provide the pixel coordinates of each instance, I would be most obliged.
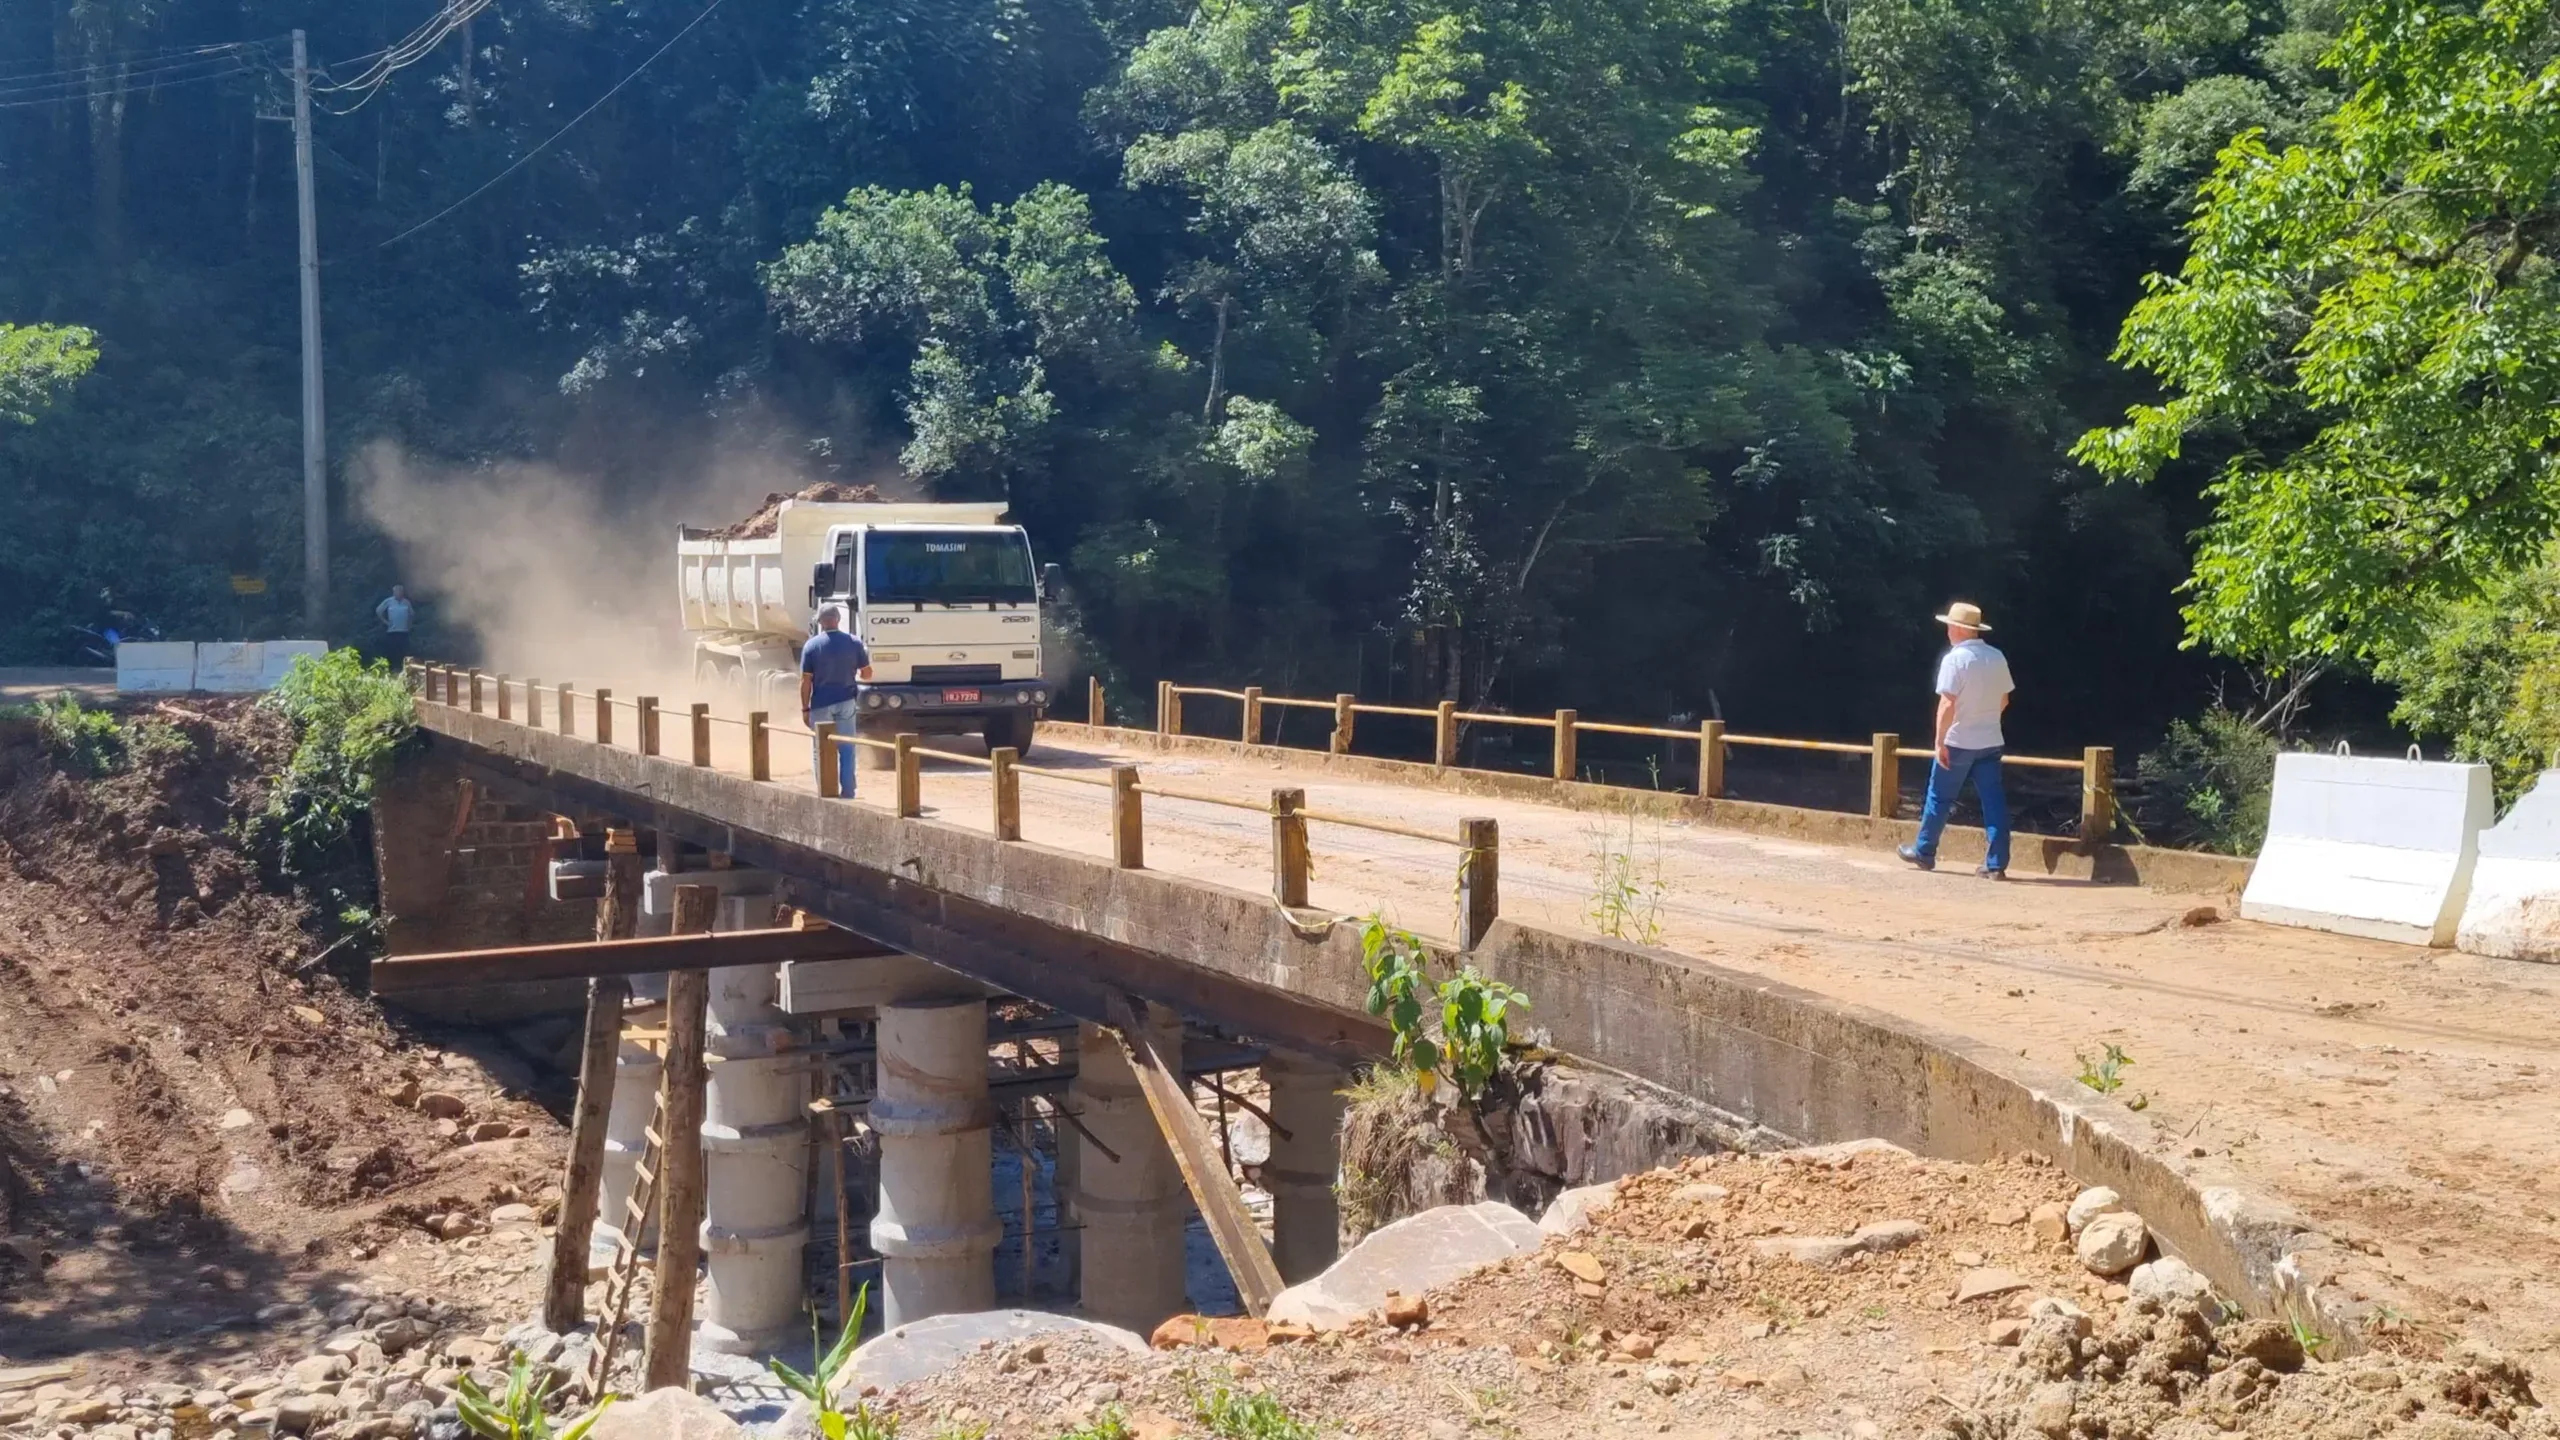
(196, 1120)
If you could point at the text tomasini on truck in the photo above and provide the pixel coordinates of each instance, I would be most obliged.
(947, 599)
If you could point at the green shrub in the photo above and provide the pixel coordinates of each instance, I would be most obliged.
(88, 743)
(2208, 783)
(350, 722)
(2484, 677)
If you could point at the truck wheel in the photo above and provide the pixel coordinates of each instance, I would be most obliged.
(1013, 730)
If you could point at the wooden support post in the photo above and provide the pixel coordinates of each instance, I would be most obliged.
(505, 711)
(604, 716)
(1094, 714)
(1884, 777)
(617, 918)
(1479, 880)
(1164, 707)
(1173, 708)
(648, 724)
(1221, 1204)
(822, 750)
(759, 746)
(1289, 860)
(1444, 735)
(1567, 743)
(533, 704)
(1128, 819)
(563, 707)
(1711, 758)
(910, 777)
(1342, 718)
(1253, 714)
(475, 690)
(2097, 795)
(668, 1356)
(1007, 783)
(701, 734)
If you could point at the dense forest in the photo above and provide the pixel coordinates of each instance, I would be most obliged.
(1652, 356)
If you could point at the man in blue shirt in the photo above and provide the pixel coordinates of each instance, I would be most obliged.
(833, 666)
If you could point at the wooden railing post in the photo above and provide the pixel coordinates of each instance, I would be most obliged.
(1567, 743)
(648, 724)
(1164, 707)
(1094, 714)
(533, 704)
(2097, 794)
(1007, 782)
(1342, 718)
(910, 777)
(701, 733)
(561, 708)
(1128, 819)
(604, 716)
(1444, 736)
(1711, 758)
(759, 746)
(822, 750)
(1289, 858)
(1479, 880)
(1253, 714)
(475, 690)
(1173, 708)
(1884, 777)
(505, 711)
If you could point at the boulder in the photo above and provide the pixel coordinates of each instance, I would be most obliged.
(925, 1348)
(2089, 1204)
(319, 1368)
(302, 1414)
(669, 1414)
(2174, 1282)
(1412, 1256)
(441, 1105)
(1874, 1239)
(2113, 1242)
(1572, 1210)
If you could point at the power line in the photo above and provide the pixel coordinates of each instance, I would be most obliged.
(138, 57)
(159, 82)
(412, 48)
(85, 78)
(521, 160)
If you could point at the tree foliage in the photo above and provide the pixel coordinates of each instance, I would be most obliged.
(39, 362)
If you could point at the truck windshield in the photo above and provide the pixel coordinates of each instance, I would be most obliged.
(947, 567)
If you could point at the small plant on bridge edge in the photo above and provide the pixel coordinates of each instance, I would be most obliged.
(518, 1414)
(1474, 1015)
(1628, 890)
(2104, 1074)
(860, 1423)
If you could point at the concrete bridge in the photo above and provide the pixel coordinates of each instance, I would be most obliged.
(1775, 968)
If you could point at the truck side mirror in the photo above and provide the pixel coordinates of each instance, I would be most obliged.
(1052, 581)
(822, 580)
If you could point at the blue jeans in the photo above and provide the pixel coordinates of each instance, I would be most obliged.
(1946, 782)
(842, 715)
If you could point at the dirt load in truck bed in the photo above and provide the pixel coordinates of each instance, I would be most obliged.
(768, 516)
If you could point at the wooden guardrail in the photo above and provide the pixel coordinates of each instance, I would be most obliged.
(1478, 840)
(1884, 750)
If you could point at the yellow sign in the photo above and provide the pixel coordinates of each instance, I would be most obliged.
(248, 585)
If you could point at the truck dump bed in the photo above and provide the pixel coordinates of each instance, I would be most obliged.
(762, 585)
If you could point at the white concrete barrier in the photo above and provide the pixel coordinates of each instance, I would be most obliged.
(277, 656)
(231, 667)
(2514, 909)
(155, 666)
(2370, 846)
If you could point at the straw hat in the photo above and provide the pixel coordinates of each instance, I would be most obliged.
(1966, 614)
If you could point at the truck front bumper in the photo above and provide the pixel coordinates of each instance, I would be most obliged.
(954, 702)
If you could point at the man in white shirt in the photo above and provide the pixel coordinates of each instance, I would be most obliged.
(396, 614)
(1973, 693)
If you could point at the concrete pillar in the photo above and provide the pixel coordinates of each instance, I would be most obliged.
(936, 1229)
(635, 1096)
(755, 1143)
(1306, 1218)
(1132, 1209)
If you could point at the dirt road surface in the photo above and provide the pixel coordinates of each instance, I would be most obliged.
(2400, 1097)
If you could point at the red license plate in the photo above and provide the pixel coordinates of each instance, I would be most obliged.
(959, 697)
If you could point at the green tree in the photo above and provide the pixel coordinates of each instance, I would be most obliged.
(2368, 325)
(39, 362)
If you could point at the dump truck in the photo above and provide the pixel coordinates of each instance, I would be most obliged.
(945, 595)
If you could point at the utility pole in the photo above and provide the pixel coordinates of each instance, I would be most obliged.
(315, 448)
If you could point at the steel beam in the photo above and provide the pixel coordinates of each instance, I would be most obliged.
(589, 959)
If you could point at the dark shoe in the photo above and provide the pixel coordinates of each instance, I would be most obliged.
(1911, 853)
(1985, 872)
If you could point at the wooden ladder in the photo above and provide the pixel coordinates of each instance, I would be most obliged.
(636, 1213)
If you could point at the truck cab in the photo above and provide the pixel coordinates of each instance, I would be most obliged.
(951, 616)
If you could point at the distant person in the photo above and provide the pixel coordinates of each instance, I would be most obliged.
(396, 615)
(833, 666)
(1973, 693)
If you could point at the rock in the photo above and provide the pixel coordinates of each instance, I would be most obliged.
(1845, 1153)
(518, 1215)
(2050, 1222)
(114, 1432)
(1876, 1238)
(1662, 1380)
(1572, 1210)
(86, 1412)
(2113, 1242)
(668, 1414)
(2172, 1282)
(2005, 1332)
(1978, 1284)
(2093, 1202)
(261, 1418)
(1684, 1351)
(1179, 1332)
(237, 1118)
(208, 1400)
(926, 1348)
(368, 1357)
(402, 1334)
(2048, 1410)
(2061, 1313)
(403, 1094)
(1968, 1259)
(1698, 1192)
(456, 1225)
(343, 1343)
(1638, 1346)
(488, 1130)
(2266, 1342)
(302, 1414)
(1582, 1266)
(1407, 1312)
(1414, 1255)
(470, 1354)
(318, 1369)
(441, 1105)
(28, 1377)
